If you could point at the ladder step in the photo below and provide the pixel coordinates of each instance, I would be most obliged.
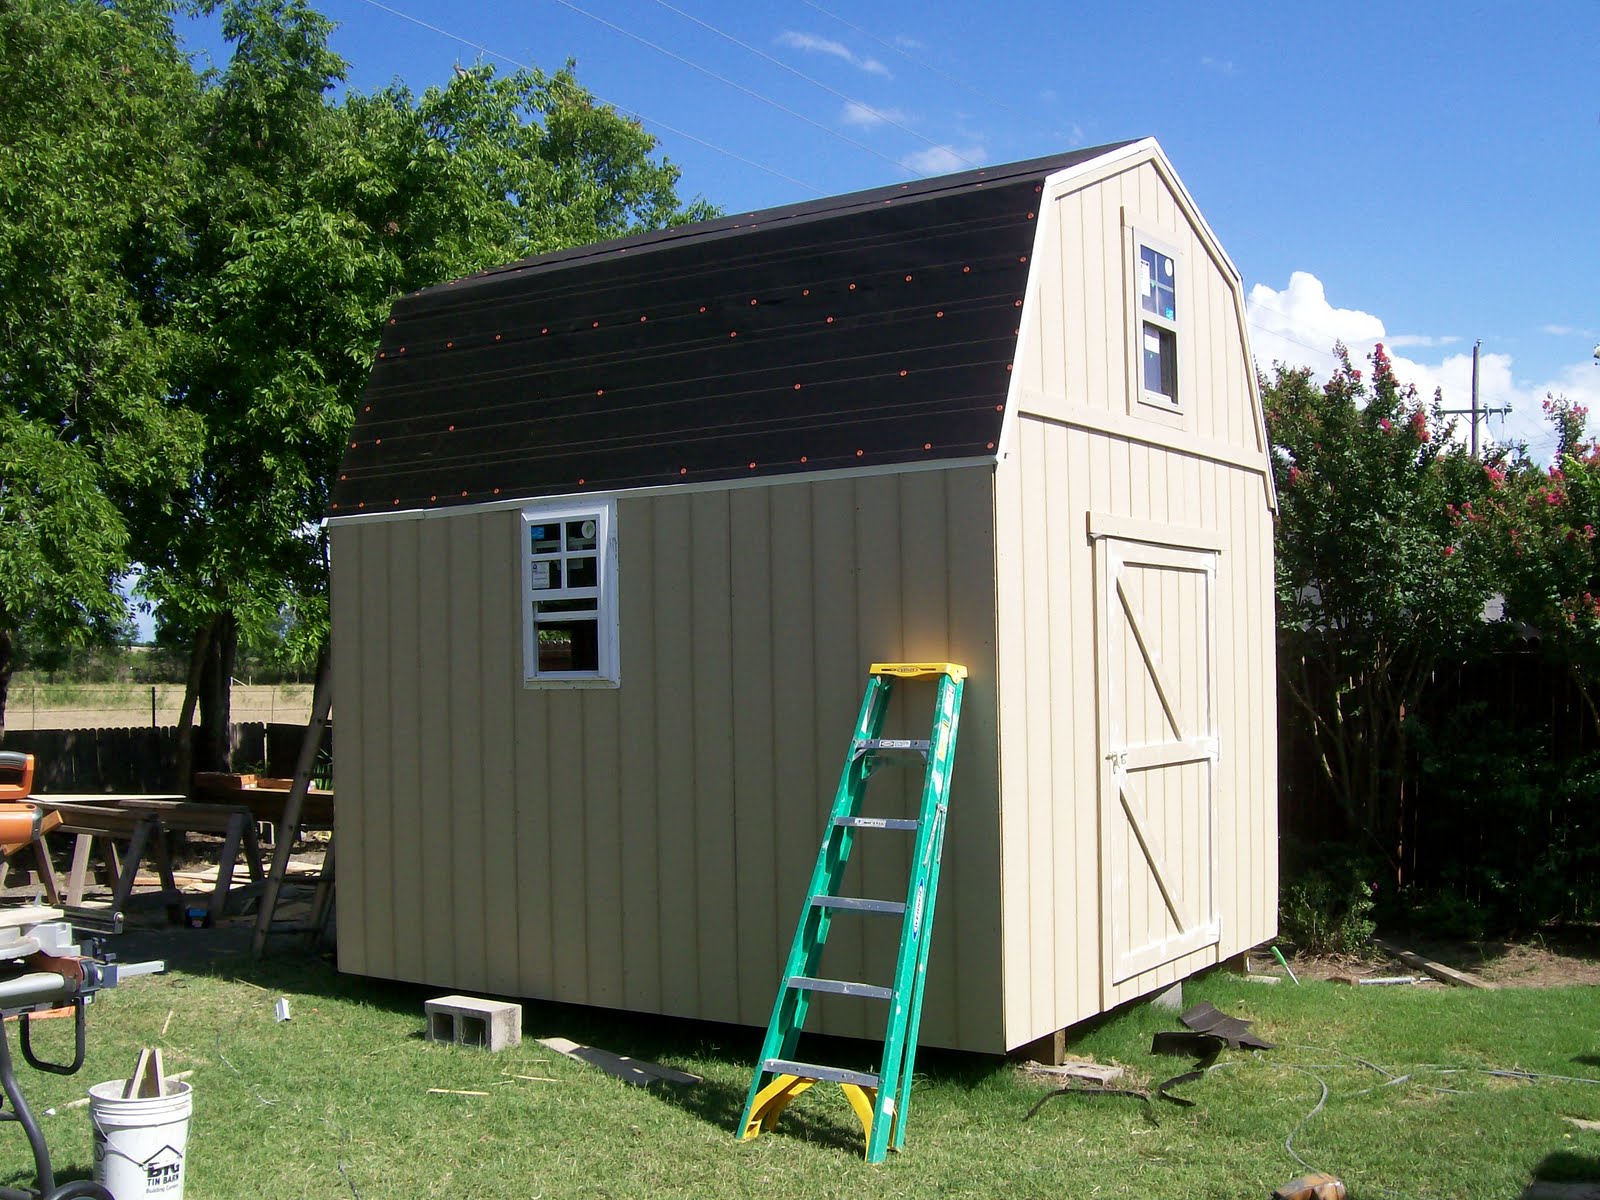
(783, 1066)
(877, 822)
(919, 747)
(840, 987)
(893, 908)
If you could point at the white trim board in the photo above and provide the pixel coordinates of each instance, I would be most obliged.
(668, 489)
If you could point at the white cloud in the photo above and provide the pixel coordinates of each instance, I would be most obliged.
(909, 43)
(1418, 339)
(1223, 66)
(1569, 331)
(943, 160)
(866, 117)
(1299, 326)
(811, 43)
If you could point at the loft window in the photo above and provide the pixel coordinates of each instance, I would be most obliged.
(569, 607)
(1158, 328)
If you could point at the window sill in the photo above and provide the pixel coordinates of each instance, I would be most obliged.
(576, 682)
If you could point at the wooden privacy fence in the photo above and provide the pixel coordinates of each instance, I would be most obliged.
(1501, 787)
(143, 760)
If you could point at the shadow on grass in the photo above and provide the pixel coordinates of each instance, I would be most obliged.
(26, 1180)
(674, 1041)
(1562, 1173)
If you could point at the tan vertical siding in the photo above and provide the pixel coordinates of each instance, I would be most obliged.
(647, 846)
(1050, 744)
(1083, 445)
(638, 830)
(499, 608)
(346, 594)
(667, 630)
(751, 745)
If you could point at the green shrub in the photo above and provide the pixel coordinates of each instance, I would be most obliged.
(1325, 907)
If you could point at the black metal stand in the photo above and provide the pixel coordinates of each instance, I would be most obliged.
(81, 1189)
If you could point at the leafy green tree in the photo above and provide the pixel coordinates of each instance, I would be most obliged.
(94, 101)
(1386, 556)
(309, 216)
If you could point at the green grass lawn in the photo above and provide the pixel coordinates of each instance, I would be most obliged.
(336, 1103)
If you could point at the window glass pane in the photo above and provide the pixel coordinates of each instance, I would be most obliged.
(569, 646)
(583, 572)
(1157, 283)
(545, 539)
(566, 555)
(1147, 279)
(542, 608)
(545, 575)
(1159, 350)
(581, 534)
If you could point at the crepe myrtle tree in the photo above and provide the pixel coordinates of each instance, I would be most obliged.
(1386, 543)
(1552, 515)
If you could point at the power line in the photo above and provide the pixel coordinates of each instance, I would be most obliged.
(482, 49)
(672, 54)
(926, 66)
(777, 62)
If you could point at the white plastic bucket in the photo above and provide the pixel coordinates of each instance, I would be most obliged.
(139, 1144)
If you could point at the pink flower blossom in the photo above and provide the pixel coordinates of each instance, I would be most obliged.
(1449, 550)
(1385, 424)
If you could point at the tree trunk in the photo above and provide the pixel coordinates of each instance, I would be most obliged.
(198, 653)
(216, 680)
(5, 676)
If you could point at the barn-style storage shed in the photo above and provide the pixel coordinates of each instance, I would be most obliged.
(620, 528)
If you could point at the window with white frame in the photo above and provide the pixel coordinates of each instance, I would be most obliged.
(1158, 327)
(569, 587)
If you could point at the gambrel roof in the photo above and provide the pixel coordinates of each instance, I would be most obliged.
(857, 331)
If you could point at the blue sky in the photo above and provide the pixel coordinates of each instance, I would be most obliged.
(1421, 174)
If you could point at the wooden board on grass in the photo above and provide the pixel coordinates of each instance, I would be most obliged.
(634, 1071)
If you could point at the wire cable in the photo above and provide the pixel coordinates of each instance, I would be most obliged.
(783, 108)
(676, 132)
(778, 62)
(926, 66)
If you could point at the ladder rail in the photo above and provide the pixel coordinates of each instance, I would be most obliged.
(950, 691)
(791, 1005)
(881, 1101)
(899, 1051)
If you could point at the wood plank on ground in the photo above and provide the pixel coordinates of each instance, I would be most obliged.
(1427, 965)
(634, 1071)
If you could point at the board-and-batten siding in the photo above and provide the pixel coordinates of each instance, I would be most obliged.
(647, 847)
(1080, 444)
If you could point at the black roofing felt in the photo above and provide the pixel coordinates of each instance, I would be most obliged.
(863, 330)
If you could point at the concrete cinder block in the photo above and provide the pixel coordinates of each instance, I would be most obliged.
(470, 1021)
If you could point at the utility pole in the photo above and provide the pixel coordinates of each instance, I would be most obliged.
(1475, 346)
(1477, 411)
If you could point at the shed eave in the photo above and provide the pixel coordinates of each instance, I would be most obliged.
(334, 521)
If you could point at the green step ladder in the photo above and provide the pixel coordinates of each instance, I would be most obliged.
(880, 1100)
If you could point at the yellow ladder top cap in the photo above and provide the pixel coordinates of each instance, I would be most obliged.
(918, 670)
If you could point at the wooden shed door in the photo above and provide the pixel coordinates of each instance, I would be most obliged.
(1158, 735)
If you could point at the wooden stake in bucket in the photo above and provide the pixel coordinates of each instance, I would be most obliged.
(141, 1132)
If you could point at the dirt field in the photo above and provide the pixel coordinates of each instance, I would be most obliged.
(126, 706)
(1554, 960)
